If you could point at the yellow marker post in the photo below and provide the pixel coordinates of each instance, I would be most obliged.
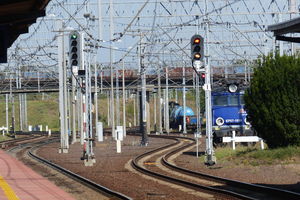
(9, 192)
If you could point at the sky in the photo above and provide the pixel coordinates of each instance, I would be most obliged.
(162, 29)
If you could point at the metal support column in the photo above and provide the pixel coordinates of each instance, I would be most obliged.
(210, 158)
(108, 108)
(165, 109)
(64, 142)
(18, 84)
(159, 102)
(155, 112)
(144, 141)
(184, 100)
(124, 98)
(6, 112)
(96, 95)
(79, 113)
(12, 105)
(134, 108)
(89, 158)
(112, 101)
(138, 102)
(148, 114)
(167, 101)
(74, 99)
(117, 99)
(198, 113)
(13, 117)
(24, 100)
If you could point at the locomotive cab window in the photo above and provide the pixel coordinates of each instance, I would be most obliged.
(228, 100)
(242, 100)
(220, 100)
(233, 100)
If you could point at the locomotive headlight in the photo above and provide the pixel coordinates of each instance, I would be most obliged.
(219, 121)
(232, 88)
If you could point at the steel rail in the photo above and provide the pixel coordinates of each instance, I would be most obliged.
(178, 181)
(95, 186)
(7, 143)
(265, 190)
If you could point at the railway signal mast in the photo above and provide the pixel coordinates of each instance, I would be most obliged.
(76, 60)
(203, 71)
(197, 55)
(143, 108)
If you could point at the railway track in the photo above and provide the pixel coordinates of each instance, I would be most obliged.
(197, 180)
(155, 165)
(31, 147)
(17, 141)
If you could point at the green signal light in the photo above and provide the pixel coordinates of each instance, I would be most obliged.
(73, 36)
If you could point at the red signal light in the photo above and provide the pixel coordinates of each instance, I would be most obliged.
(202, 79)
(197, 41)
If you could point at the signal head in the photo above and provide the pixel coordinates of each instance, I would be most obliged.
(74, 47)
(197, 50)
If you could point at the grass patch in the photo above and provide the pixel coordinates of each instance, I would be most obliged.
(43, 112)
(39, 111)
(3, 138)
(254, 156)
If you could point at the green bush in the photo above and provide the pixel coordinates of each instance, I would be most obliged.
(255, 156)
(273, 101)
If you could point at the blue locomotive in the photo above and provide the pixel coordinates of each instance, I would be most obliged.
(228, 114)
(176, 114)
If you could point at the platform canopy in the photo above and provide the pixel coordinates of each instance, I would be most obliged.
(290, 26)
(15, 18)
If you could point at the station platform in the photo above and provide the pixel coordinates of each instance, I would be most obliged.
(19, 182)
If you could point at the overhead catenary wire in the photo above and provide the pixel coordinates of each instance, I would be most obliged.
(182, 15)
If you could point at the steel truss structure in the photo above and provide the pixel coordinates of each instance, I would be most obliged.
(237, 31)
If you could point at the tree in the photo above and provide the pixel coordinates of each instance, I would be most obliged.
(273, 101)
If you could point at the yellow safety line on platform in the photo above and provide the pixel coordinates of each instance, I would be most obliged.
(9, 193)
